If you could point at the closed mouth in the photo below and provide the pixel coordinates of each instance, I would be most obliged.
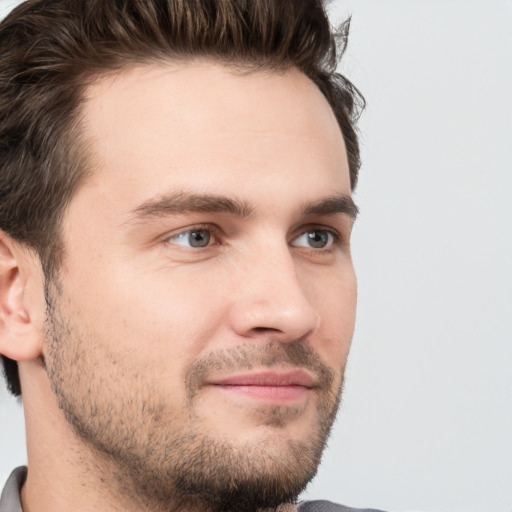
(275, 386)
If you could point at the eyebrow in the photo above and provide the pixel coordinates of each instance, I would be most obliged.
(332, 205)
(182, 202)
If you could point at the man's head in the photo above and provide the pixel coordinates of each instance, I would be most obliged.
(175, 201)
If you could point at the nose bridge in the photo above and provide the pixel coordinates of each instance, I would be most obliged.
(272, 297)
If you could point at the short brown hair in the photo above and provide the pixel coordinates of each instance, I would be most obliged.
(50, 50)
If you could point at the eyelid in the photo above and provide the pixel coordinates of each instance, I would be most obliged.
(217, 234)
(211, 228)
(338, 237)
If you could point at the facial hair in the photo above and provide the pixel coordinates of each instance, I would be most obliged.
(166, 458)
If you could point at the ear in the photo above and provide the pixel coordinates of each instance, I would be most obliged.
(21, 301)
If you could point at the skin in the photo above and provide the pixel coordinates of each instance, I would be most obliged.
(145, 330)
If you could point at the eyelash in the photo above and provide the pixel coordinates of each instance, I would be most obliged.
(338, 240)
(213, 230)
(216, 235)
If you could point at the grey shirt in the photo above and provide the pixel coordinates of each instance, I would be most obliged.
(10, 500)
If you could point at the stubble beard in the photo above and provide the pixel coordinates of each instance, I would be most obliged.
(166, 460)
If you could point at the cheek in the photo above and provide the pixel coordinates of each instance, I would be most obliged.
(158, 319)
(335, 299)
(340, 305)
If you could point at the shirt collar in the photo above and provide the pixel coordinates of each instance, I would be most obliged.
(10, 500)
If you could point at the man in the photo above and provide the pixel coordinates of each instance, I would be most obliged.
(176, 288)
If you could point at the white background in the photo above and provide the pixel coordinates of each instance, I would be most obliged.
(426, 422)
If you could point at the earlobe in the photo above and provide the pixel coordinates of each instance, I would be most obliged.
(20, 337)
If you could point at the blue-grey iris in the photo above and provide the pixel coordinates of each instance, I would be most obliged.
(318, 239)
(199, 238)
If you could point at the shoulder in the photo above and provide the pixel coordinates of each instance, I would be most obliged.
(329, 506)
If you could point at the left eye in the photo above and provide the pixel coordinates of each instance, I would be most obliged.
(196, 238)
(315, 239)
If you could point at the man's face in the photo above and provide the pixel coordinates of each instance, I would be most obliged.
(205, 307)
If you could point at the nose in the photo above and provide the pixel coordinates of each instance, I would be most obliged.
(272, 302)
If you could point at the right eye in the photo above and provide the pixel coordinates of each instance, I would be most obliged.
(196, 238)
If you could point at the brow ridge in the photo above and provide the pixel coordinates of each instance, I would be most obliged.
(181, 202)
(332, 205)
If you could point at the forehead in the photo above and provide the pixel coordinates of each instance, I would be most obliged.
(201, 124)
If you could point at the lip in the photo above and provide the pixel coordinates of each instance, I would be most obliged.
(268, 378)
(270, 386)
